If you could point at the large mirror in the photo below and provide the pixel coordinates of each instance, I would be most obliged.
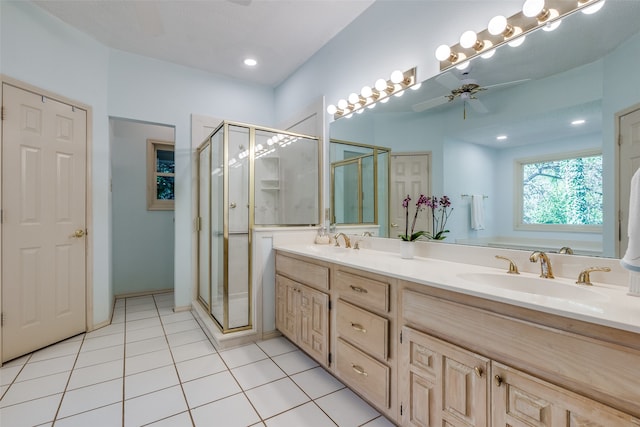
(559, 95)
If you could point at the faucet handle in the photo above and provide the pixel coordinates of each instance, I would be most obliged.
(583, 277)
(513, 269)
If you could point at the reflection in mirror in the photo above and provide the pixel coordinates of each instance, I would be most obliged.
(528, 106)
(359, 184)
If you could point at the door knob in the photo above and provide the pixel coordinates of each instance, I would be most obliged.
(78, 233)
(232, 205)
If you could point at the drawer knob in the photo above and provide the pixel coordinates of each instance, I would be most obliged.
(359, 370)
(498, 380)
(478, 371)
(358, 289)
(358, 328)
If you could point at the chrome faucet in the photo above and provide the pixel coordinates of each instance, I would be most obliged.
(545, 264)
(347, 242)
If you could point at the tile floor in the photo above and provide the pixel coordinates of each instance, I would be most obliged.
(152, 366)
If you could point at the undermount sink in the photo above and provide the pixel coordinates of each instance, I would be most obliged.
(535, 285)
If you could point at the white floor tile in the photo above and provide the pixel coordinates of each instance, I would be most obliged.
(94, 374)
(192, 350)
(258, 373)
(97, 343)
(186, 337)
(277, 346)
(46, 367)
(3, 388)
(234, 411)
(317, 382)
(141, 314)
(144, 334)
(95, 357)
(181, 420)
(276, 397)
(165, 403)
(146, 346)
(34, 389)
(20, 361)
(176, 317)
(200, 367)
(379, 422)
(31, 413)
(347, 409)
(143, 301)
(242, 355)
(143, 323)
(150, 381)
(294, 362)
(91, 397)
(210, 388)
(64, 348)
(307, 415)
(147, 361)
(116, 328)
(9, 373)
(182, 326)
(107, 416)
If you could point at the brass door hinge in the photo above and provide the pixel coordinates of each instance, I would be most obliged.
(2, 317)
(198, 224)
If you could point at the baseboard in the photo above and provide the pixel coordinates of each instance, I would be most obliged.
(144, 293)
(100, 325)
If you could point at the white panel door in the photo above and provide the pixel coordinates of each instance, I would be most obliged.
(44, 146)
(410, 175)
(629, 164)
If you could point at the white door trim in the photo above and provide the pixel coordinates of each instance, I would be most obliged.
(88, 196)
(618, 249)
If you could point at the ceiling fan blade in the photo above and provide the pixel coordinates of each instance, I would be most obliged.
(430, 103)
(514, 82)
(449, 80)
(477, 105)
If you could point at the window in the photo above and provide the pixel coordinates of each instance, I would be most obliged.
(160, 175)
(561, 193)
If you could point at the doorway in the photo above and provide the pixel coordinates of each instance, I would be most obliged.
(45, 199)
(410, 175)
(629, 160)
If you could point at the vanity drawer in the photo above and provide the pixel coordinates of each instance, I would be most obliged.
(363, 373)
(363, 290)
(361, 327)
(303, 271)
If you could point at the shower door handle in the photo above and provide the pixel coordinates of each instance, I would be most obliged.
(232, 205)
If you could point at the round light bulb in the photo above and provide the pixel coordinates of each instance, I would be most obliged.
(532, 8)
(468, 39)
(443, 52)
(381, 85)
(397, 76)
(463, 66)
(372, 105)
(497, 25)
(593, 8)
(366, 92)
(331, 109)
(342, 104)
(416, 86)
(488, 54)
(354, 98)
(517, 42)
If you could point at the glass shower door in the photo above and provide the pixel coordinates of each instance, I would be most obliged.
(217, 228)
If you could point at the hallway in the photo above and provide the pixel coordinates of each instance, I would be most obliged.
(152, 366)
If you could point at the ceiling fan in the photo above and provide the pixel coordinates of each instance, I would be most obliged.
(465, 89)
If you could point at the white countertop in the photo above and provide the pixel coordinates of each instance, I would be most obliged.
(602, 304)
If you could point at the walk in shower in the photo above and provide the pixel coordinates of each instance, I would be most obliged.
(248, 177)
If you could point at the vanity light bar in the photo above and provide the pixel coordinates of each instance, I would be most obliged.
(369, 96)
(535, 14)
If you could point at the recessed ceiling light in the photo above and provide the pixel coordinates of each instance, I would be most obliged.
(578, 122)
(250, 62)
(501, 137)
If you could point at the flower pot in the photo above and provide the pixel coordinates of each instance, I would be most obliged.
(406, 249)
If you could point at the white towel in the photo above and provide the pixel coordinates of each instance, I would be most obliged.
(631, 259)
(477, 212)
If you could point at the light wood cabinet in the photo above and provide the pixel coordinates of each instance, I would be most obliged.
(442, 385)
(302, 315)
(520, 400)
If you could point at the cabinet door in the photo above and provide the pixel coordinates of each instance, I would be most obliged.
(313, 333)
(445, 385)
(286, 307)
(520, 400)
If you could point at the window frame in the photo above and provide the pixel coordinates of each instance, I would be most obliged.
(153, 203)
(518, 194)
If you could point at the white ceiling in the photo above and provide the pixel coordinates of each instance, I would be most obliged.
(214, 35)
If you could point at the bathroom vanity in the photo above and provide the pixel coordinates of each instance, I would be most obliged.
(430, 342)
